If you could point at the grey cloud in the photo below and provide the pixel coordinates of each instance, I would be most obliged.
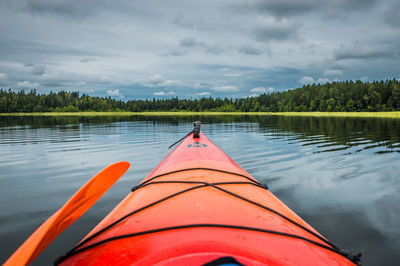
(249, 50)
(54, 84)
(225, 88)
(93, 11)
(157, 80)
(177, 52)
(356, 5)
(76, 9)
(114, 93)
(59, 80)
(72, 79)
(100, 80)
(174, 52)
(188, 42)
(87, 60)
(289, 8)
(214, 49)
(357, 52)
(38, 69)
(191, 42)
(26, 84)
(270, 29)
(37, 50)
(3, 79)
(191, 24)
(391, 14)
(278, 8)
(333, 72)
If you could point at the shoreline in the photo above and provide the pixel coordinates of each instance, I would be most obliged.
(393, 114)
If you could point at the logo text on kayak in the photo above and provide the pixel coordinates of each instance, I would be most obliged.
(196, 145)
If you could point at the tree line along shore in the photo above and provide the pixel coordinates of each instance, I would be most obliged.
(346, 96)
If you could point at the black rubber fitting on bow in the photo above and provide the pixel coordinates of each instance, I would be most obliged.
(196, 129)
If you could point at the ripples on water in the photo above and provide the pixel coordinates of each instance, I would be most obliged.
(342, 175)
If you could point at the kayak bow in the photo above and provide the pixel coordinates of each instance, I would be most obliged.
(199, 206)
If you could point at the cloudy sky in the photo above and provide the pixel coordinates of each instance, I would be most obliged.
(233, 48)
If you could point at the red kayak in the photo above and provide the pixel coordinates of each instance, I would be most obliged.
(199, 207)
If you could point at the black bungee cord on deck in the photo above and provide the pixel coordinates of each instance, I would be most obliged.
(198, 185)
(355, 258)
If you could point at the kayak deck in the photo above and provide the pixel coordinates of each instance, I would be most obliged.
(198, 205)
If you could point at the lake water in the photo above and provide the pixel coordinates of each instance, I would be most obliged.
(342, 175)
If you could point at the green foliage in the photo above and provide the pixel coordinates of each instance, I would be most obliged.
(331, 97)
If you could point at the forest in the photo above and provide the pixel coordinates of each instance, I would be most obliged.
(345, 96)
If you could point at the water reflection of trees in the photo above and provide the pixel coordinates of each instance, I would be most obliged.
(348, 132)
(320, 131)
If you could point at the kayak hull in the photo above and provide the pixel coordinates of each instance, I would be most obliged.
(198, 205)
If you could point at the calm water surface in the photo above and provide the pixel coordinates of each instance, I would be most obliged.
(342, 175)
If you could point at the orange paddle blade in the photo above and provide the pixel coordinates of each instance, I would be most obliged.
(77, 205)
